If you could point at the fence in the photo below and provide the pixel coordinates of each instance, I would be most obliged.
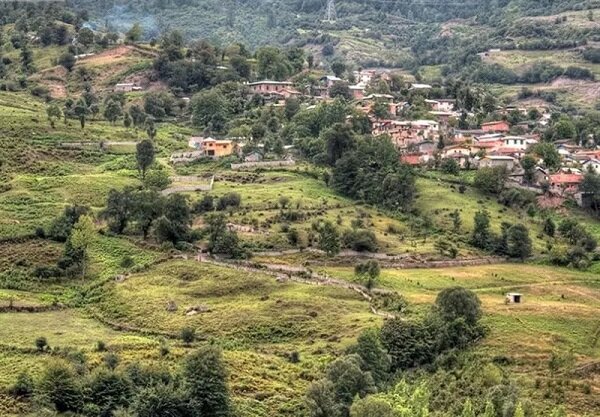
(263, 164)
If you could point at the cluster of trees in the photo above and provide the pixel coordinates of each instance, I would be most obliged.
(513, 241)
(577, 246)
(540, 72)
(370, 365)
(70, 386)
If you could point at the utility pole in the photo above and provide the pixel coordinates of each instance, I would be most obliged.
(330, 15)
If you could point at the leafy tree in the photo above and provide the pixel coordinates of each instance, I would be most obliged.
(67, 60)
(206, 381)
(118, 209)
(61, 227)
(549, 226)
(321, 401)
(329, 239)
(338, 139)
(459, 303)
(564, 128)
(491, 180)
(272, 64)
(349, 380)
(409, 344)
(82, 237)
(489, 410)
(371, 407)
(54, 114)
(112, 111)
(528, 163)
(450, 166)
(456, 221)
(220, 239)
(157, 179)
(144, 156)
(159, 104)
(134, 34)
(481, 236)
(210, 109)
(375, 357)
(591, 185)
(150, 128)
(59, 388)
(161, 400)
(368, 270)
(338, 67)
(109, 390)
(85, 37)
(81, 111)
(548, 153)
(518, 242)
(341, 90)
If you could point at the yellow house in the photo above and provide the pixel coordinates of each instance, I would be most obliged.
(217, 148)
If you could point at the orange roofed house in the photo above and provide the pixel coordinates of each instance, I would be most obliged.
(500, 126)
(565, 184)
(213, 147)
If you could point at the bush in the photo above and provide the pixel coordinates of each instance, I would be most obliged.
(188, 335)
(360, 240)
(229, 200)
(23, 386)
(41, 343)
(205, 205)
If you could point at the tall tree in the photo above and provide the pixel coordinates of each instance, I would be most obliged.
(82, 236)
(206, 381)
(144, 156)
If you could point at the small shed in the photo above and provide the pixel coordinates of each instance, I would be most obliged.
(513, 298)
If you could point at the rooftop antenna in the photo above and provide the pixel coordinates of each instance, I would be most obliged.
(330, 15)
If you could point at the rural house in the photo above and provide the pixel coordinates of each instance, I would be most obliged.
(500, 126)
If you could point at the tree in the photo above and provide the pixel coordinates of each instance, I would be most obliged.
(220, 239)
(54, 114)
(375, 358)
(491, 180)
(118, 209)
(489, 410)
(85, 37)
(329, 239)
(481, 236)
(458, 303)
(548, 153)
(528, 163)
(368, 270)
(591, 186)
(58, 387)
(564, 128)
(144, 156)
(450, 166)
(349, 380)
(338, 67)
(371, 407)
(150, 128)
(109, 390)
(340, 89)
(157, 179)
(320, 399)
(519, 411)
(456, 221)
(147, 207)
(67, 60)
(549, 226)
(82, 236)
(338, 139)
(81, 111)
(161, 400)
(210, 109)
(518, 242)
(206, 381)
(112, 111)
(134, 34)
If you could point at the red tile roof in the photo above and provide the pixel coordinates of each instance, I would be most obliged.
(411, 159)
(566, 178)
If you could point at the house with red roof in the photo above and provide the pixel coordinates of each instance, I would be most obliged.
(500, 126)
(563, 184)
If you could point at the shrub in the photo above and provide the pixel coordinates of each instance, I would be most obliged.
(229, 200)
(188, 335)
(360, 240)
(41, 343)
(23, 386)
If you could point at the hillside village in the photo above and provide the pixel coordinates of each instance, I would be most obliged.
(249, 211)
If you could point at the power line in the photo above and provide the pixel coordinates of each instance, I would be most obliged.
(330, 15)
